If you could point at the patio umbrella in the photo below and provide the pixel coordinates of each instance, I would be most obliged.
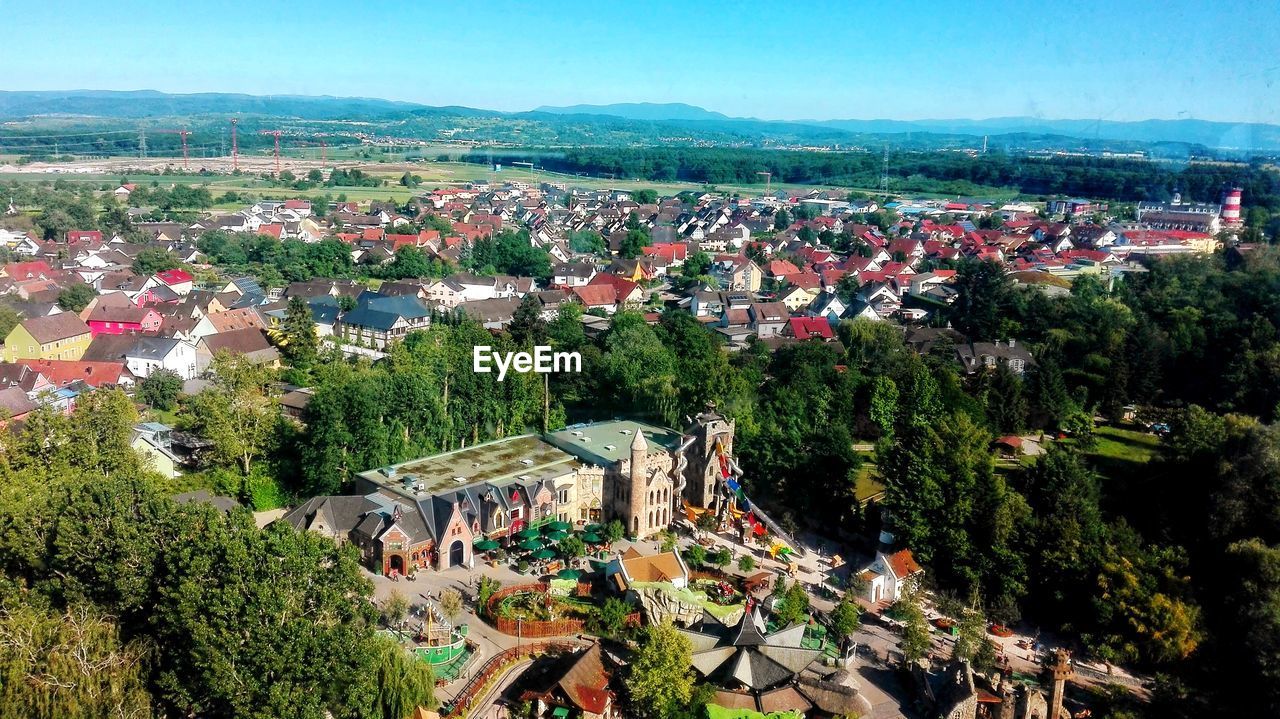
(591, 538)
(531, 544)
(555, 536)
(530, 533)
(569, 573)
(487, 545)
(543, 554)
(558, 527)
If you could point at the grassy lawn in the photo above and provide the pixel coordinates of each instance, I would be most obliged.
(867, 484)
(1118, 445)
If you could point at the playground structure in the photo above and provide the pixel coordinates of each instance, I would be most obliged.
(734, 505)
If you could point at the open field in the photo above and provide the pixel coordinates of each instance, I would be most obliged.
(389, 167)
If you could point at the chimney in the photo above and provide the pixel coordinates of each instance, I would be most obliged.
(1011, 343)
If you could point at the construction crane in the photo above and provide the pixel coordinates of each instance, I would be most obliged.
(235, 150)
(276, 134)
(183, 134)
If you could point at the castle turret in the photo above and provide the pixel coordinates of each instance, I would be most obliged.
(1060, 673)
(639, 483)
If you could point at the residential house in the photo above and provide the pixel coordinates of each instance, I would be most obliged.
(380, 320)
(990, 355)
(61, 336)
(598, 297)
(572, 274)
(494, 314)
(149, 354)
(180, 281)
(810, 328)
(249, 343)
(15, 405)
(64, 373)
(122, 318)
(768, 318)
(154, 442)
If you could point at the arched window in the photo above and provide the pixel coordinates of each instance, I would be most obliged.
(499, 519)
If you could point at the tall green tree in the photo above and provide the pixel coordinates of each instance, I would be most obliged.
(660, 681)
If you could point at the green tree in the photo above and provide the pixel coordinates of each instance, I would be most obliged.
(76, 297)
(695, 555)
(572, 547)
(399, 681)
(915, 641)
(794, 607)
(746, 563)
(71, 664)
(238, 414)
(151, 260)
(633, 244)
(660, 682)
(527, 327)
(296, 336)
(587, 241)
(845, 618)
(161, 389)
(611, 619)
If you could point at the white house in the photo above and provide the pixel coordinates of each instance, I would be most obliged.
(152, 353)
(889, 575)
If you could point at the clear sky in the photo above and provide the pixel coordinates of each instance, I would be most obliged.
(1109, 59)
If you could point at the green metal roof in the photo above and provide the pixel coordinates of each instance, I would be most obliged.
(605, 443)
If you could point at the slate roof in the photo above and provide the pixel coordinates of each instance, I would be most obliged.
(745, 656)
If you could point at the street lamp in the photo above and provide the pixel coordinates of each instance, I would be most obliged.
(519, 632)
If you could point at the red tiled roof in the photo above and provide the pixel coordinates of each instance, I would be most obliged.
(596, 295)
(174, 277)
(806, 327)
(903, 563)
(64, 372)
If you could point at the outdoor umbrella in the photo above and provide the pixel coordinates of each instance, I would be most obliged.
(531, 544)
(487, 545)
(543, 554)
(591, 538)
(558, 527)
(569, 573)
(529, 533)
(594, 528)
(555, 536)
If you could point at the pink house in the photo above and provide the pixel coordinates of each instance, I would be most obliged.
(107, 319)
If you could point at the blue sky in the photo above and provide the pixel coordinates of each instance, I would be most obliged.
(776, 60)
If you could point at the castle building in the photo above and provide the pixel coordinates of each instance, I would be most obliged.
(429, 512)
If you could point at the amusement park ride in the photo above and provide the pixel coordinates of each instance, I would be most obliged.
(749, 518)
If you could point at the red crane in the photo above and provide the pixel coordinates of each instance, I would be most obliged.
(235, 151)
(183, 134)
(276, 133)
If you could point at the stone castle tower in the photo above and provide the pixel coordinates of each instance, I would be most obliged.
(639, 471)
(702, 473)
(1059, 673)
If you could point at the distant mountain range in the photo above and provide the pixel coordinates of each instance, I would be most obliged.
(650, 111)
(1200, 132)
(643, 123)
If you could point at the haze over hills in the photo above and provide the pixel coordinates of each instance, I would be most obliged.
(640, 111)
(1201, 132)
(647, 123)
